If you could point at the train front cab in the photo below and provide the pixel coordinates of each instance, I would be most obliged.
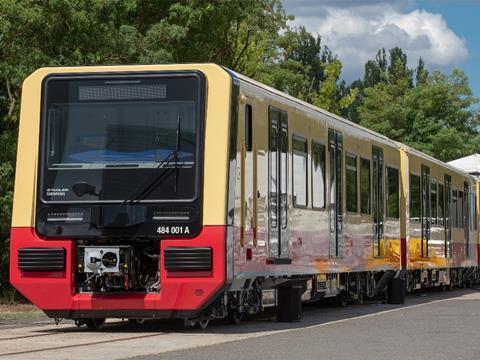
(45, 247)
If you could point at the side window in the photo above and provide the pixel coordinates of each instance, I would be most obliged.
(474, 212)
(393, 210)
(299, 171)
(318, 175)
(441, 204)
(351, 182)
(460, 222)
(454, 208)
(248, 128)
(365, 190)
(433, 201)
(414, 197)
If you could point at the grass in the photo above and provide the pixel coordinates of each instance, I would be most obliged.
(16, 311)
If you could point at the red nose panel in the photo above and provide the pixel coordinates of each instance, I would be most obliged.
(55, 290)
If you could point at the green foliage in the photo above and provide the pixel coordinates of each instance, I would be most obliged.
(434, 116)
(326, 97)
(431, 112)
(249, 36)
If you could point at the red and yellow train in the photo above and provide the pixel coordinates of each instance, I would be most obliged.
(190, 191)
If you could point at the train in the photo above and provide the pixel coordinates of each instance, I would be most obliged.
(190, 191)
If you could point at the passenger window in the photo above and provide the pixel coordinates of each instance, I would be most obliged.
(460, 222)
(433, 201)
(474, 212)
(299, 172)
(365, 191)
(248, 128)
(393, 210)
(414, 197)
(454, 207)
(351, 177)
(318, 175)
(441, 204)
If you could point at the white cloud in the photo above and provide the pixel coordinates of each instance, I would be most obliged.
(356, 30)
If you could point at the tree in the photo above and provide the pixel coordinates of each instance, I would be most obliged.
(249, 36)
(80, 32)
(327, 96)
(435, 116)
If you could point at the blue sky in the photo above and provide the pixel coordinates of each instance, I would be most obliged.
(463, 17)
(445, 33)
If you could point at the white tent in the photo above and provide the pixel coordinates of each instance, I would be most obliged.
(470, 164)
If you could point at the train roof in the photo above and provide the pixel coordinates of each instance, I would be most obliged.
(303, 105)
(377, 136)
(452, 168)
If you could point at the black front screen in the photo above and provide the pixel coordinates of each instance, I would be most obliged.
(120, 139)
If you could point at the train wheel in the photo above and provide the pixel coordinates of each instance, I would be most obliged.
(235, 316)
(203, 324)
(95, 324)
(136, 321)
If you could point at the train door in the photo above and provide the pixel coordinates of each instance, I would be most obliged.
(466, 217)
(335, 141)
(425, 210)
(448, 215)
(378, 200)
(278, 246)
(248, 182)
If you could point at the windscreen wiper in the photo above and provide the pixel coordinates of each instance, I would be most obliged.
(157, 179)
(153, 180)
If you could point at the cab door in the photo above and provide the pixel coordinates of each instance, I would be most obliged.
(278, 196)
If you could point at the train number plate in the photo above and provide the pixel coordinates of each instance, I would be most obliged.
(173, 230)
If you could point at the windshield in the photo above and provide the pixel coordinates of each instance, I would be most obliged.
(113, 135)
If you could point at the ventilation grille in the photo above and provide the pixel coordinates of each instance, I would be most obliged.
(41, 259)
(188, 259)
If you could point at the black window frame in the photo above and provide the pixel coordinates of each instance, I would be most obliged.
(454, 207)
(419, 198)
(248, 127)
(460, 207)
(354, 157)
(389, 168)
(364, 160)
(299, 138)
(434, 207)
(109, 76)
(313, 144)
(441, 209)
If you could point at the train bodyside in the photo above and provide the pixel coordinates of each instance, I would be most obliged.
(326, 235)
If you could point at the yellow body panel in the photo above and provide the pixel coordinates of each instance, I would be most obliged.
(217, 109)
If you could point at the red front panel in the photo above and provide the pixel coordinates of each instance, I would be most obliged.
(179, 291)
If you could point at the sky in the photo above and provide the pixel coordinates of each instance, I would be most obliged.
(445, 33)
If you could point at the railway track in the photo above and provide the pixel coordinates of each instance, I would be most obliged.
(73, 345)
